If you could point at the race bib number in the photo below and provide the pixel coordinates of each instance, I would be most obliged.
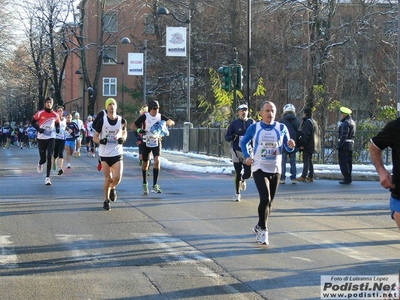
(151, 142)
(47, 130)
(240, 139)
(268, 150)
(112, 139)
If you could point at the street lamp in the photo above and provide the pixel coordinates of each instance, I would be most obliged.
(126, 40)
(248, 50)
(165, 11)
(105, 56)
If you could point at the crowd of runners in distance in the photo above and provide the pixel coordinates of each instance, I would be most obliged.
(13, 135)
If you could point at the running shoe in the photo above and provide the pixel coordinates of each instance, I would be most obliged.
(47, 181)
(294, 181)
(69, 166)
(54, 166)
(262, 237)
(39, 168)
(282, 181)
(156, 189)
(237, 198)
(113, 195)
(256, 229)
(107, 205)
(243, 185)
(79, 154)
(60, 172)
(145, 188)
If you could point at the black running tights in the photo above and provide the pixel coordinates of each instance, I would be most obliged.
(46, 148)
(267, 185)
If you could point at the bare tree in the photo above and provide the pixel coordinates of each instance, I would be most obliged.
(45, 24)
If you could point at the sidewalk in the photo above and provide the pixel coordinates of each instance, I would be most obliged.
(208, 164)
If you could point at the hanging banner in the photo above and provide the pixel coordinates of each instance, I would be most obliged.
(176, 41)
(135, 64)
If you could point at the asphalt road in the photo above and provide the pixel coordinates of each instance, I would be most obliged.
(191, 241)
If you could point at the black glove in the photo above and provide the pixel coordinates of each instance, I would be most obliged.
(141, 131)
(121, 141)
(41, 130)
(103, 141)
(234, 137)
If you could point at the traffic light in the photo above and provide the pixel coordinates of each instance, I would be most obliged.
(226, 82)
(239, 77)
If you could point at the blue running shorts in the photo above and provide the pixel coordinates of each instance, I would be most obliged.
(394, 206)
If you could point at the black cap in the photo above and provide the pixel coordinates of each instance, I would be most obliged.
(152, 104)
(308, 112)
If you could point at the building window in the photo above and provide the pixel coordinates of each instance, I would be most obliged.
(111, 52)
(110, 22)
(109, 86)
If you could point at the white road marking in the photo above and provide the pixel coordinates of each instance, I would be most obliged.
(8, 258)
(177, 249)
(76, 242)
(182, 252)
(325, 243)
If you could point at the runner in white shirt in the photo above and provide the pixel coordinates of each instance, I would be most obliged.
(110, 134)
(268, 138)
(89, 132)
(78, 141)
(59, 146)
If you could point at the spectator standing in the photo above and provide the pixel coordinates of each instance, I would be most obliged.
(110, 134)
(292, 123)
(234, 134)
(388, 137)
(47, 124)
(151, 142)
(307, 144)
(268, 138)
(347, 132)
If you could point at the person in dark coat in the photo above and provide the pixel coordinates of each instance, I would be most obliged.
(307, 145)
(234, 134)
(293, 124)
(347, 131)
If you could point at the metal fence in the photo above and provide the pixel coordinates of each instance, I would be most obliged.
(211, 141)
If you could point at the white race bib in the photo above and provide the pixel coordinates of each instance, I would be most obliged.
(151, 142)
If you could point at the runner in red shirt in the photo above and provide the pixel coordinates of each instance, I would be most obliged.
(47, 124)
